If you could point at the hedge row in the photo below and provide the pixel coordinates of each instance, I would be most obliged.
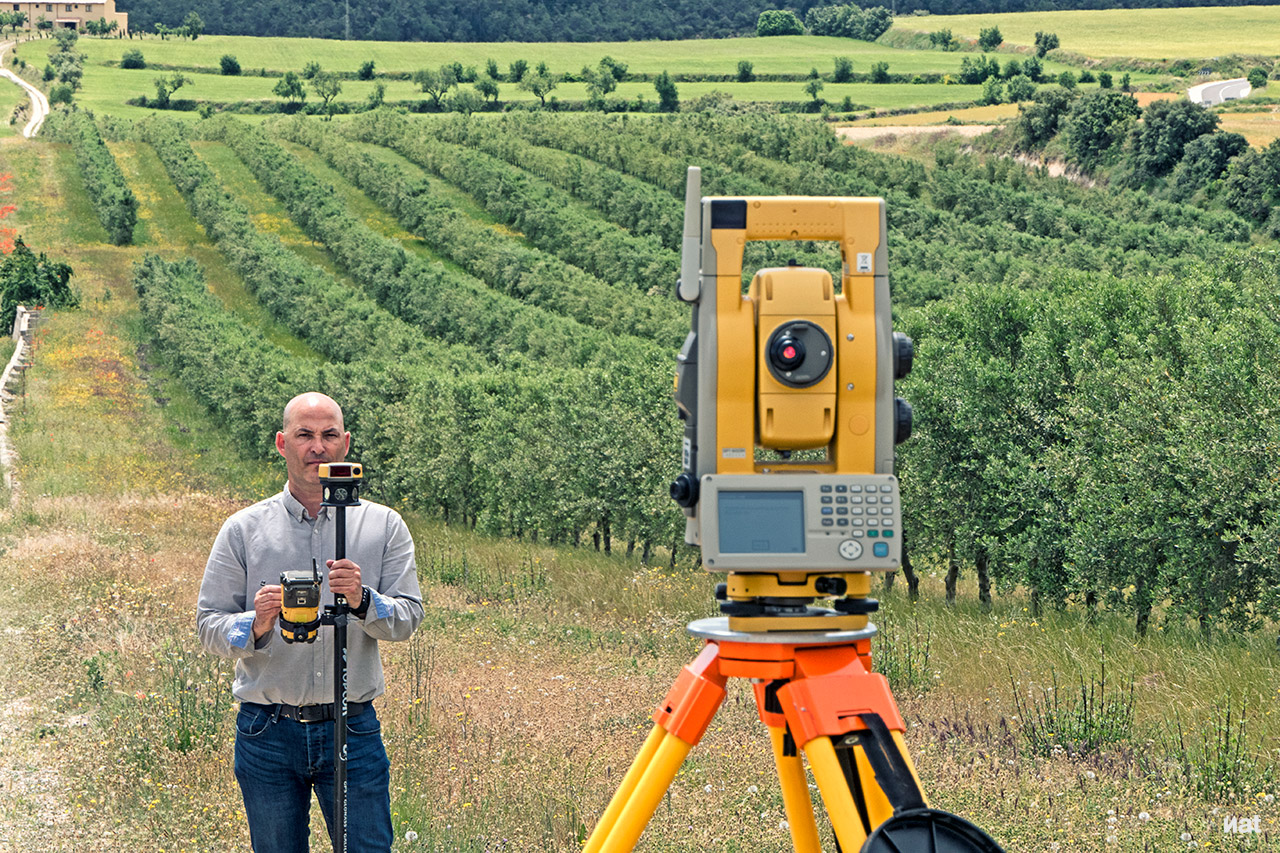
(339, 324)
(441, 302)
(112, 199)
(517, 452)
(505, 263)
(549, 218)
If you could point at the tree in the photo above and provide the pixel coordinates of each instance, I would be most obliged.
(1045, 42)
(327, 87)
(377, 95)
(778, 22)
(992, 92)
(517, 70)
(849, 21)
(844, 70)
(1020, 89)
(167, 85)
(436, 84)
(600, 83)
(668, 96)
(1097, 123)
(66, 39)
(311, 69)
(193, 25)
(466, 101)
(1166, 129)
(491, 69)
(1067, 80)
(1039, 122)
(30, 279)
(944, 39)
(1252, 186)
(230, 65)
(488, 88)
(291, 89)
(989, 39)
(366, 70)
(880, 72)
(746, 71)
(813, 89)
(541, 82)
(133, 58)
(1204, 161)
(1257, 77)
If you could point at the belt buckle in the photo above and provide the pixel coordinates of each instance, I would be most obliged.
(313, 714)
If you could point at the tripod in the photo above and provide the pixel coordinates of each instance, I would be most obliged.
(814, 690)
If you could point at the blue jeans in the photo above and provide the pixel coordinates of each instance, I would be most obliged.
(279, 762)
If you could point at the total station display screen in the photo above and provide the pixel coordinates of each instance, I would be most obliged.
(761, 522)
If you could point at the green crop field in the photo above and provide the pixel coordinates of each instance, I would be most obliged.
(1159, 34)
(106, 87)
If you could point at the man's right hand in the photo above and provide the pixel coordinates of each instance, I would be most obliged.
(267, 602)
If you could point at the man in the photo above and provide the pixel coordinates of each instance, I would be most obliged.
(284, 731)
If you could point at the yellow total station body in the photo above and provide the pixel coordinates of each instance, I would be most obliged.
(786, 391)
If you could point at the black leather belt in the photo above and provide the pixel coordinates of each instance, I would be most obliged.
(309, 713)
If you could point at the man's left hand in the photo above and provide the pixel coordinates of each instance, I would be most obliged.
(344, 579)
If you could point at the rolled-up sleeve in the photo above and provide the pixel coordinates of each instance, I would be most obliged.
(395, 607)
(224, 622)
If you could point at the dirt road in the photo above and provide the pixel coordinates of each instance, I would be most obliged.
(39, 103)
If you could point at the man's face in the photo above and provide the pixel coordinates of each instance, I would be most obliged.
(312, 435)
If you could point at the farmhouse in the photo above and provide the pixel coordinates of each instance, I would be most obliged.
(73, 15)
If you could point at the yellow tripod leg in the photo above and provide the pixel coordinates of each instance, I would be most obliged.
(795, 796)
(837, 797)
(629, 782)
(906, 759)
(652, 786)
(879, 809)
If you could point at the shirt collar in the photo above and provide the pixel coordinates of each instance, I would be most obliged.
(294, 507)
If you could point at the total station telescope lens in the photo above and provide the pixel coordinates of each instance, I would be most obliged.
(788, 353)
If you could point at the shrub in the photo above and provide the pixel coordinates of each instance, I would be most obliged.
(1104, 79)
(366, 70)
(778, 22)
(28, 279)
(746, 71)
(1045, 42)
(989, 39)
(133, 58)
(230, 65)
(880, 72)
(844, 70)
(61, 94)
(1257, 78)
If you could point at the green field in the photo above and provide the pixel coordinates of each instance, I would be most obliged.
(775, 55)
(1158, 34)
(106, 87)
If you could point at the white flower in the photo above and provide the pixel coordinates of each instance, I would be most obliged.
(1144, 817)
(1186, 836)
(411, 836)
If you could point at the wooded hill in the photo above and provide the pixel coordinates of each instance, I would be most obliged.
(529, 20)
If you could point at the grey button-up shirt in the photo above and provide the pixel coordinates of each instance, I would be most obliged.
(275, 535)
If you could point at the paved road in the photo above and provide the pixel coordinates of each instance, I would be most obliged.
(1219, 91)
(39, 103)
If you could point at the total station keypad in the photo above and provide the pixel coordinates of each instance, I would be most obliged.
(868, 511)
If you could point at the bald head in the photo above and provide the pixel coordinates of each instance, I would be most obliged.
(312, 433)
(310, 404)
